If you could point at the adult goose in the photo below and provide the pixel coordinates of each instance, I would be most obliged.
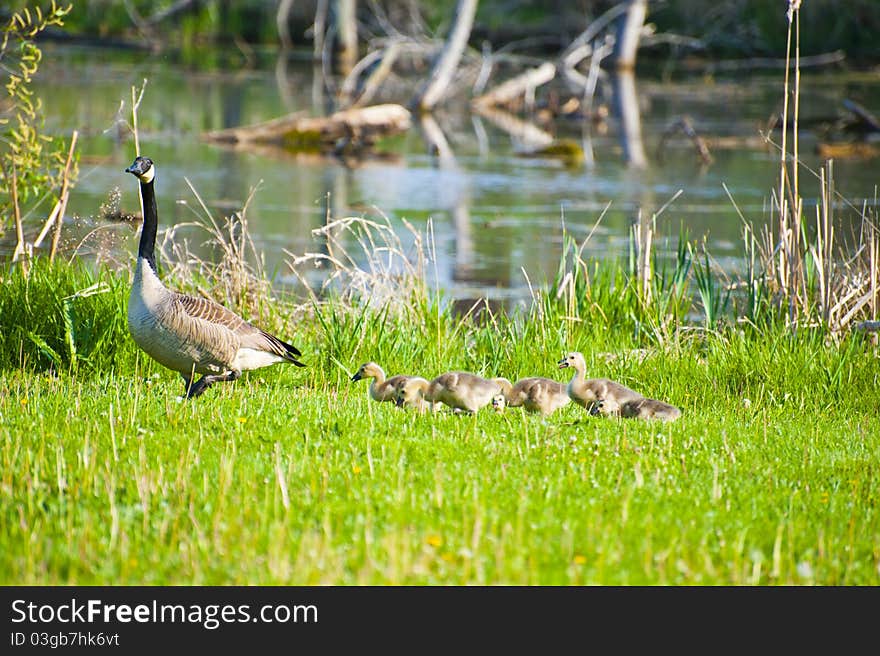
(588, 392)
(460, 390)
(187, 334)
(533, 394)
(381, 389)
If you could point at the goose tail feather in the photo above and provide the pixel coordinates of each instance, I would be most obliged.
(287, 351)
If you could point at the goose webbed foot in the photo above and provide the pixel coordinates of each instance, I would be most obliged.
(195, 389)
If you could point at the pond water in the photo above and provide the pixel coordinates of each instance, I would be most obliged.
(497, 218)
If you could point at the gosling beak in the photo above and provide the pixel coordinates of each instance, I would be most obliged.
(356, 377)
(563, 363)
(398, 401)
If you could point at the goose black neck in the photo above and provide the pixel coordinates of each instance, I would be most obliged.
(147, 246)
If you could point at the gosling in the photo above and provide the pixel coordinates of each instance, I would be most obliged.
(587, 392)
(645, 408)
(411, 393)
(381, 389)
(534, 394)
(460, 390)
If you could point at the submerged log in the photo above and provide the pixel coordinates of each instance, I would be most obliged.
(847, 150)
(354, 128)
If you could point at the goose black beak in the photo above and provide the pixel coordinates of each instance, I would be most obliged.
(398, 401)
(356, 377)
(139, 166)
(563, 363)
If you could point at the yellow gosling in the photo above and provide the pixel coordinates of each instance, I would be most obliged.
(462, 391)
(533, 394)
(411, 392)
(587, 392)
(645, 408)
(380, 389)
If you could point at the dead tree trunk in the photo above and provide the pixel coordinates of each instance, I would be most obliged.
(627, 41)
(281, 22)
(447, 63)
(627, 106)
(345, 17)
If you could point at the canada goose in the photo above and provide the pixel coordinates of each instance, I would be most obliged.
(586, 392)
(381, 389)
(187, 334)
(645, 408)
(533, 394)
(460, 390)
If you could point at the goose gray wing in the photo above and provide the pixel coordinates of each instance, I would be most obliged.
(248, 335)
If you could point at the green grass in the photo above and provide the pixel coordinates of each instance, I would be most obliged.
(294, 476)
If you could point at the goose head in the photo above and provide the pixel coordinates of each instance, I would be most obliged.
(368, 370)
(411, 392)
(498, 402)
(142, 168)
(573, 359)
(603, 407)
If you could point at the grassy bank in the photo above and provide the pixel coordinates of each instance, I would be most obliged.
(294, 476)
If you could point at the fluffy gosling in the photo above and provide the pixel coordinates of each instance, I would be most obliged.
(460, 390)
(533, 394)
(587, 392)
(411, 393)
(381, 389)
(645, 408)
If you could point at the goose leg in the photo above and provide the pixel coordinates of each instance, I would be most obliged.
(187, 384)
(207, 380)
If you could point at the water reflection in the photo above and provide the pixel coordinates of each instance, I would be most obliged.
(496, 216)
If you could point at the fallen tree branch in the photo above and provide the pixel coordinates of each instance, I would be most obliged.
(360, 126)
(766, 62)
(516, 86)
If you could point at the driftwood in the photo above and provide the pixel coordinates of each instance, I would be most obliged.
(348, 129)
(847, 150)
(516, 86)
(623, 45)
(444, 69)
(750, 63)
